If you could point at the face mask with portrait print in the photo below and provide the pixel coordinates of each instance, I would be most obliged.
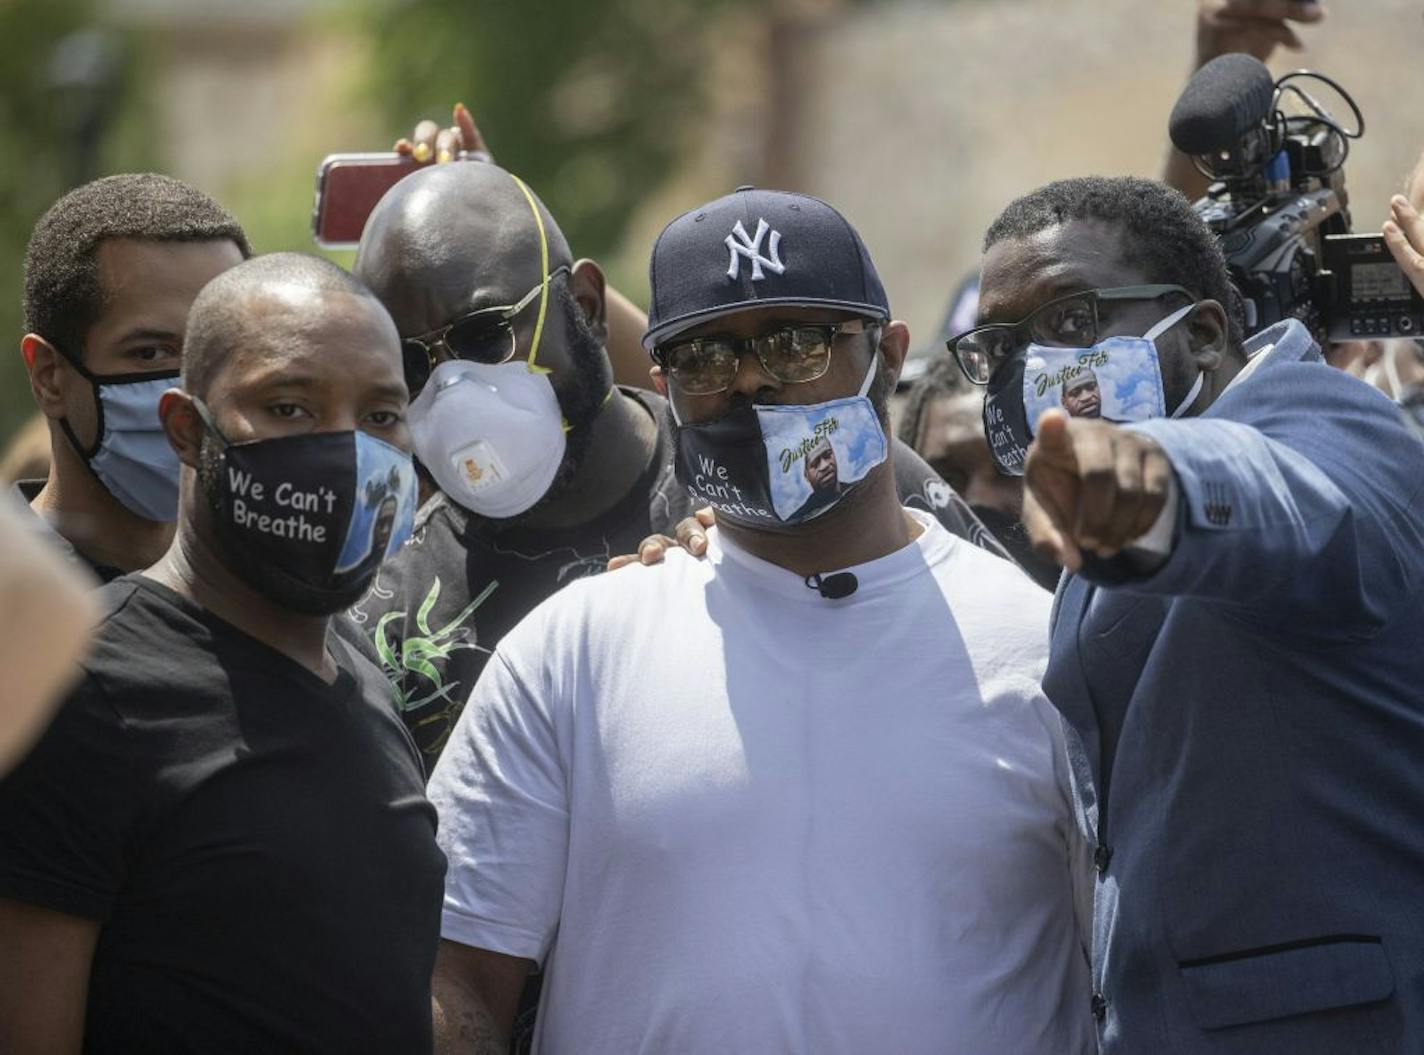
(1119, 380)
(307, 520)
(777, 466)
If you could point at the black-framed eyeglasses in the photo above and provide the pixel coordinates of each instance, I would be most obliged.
(792, 354)
(1071, 321)
(483, 336)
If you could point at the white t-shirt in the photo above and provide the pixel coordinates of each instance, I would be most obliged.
(738, 817)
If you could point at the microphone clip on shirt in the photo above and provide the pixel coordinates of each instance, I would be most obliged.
(835, 586)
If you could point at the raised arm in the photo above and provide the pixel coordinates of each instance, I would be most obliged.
(1256, 27)
(1306, 518)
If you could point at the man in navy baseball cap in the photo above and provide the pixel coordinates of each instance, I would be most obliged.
(759, 248)
(799, 795)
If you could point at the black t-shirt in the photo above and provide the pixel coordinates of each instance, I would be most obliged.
(256, 844)
(438, 608)
(22, 494)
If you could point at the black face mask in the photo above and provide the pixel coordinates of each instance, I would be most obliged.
(307, 520)
(1005, 420)
(750, 464)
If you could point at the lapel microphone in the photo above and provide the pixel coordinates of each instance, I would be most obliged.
(833, 587)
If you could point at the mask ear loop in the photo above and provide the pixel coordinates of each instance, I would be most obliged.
(543, 291)
(865, 385)
(68, 430)
(212, 425)
(1157, 331)
(1167, 323)
(543, 270)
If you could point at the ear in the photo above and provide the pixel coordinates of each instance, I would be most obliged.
(47, 370)
(1209, 335)
(659, 379)
(894, 347)
(587, 284)
(182, 425)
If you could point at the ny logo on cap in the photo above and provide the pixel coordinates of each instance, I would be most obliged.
(742, 246)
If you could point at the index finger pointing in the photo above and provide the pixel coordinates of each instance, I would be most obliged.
(1052, 441)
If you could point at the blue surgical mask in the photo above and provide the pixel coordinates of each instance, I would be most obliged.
(131, 454)
(1118, 380)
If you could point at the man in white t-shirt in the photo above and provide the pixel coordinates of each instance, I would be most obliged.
(803, 796)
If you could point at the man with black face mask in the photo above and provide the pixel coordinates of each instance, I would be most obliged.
(221, 843)
(545, 468)
(110, 273)
(713, 843)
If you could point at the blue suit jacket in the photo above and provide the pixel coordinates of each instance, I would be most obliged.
(1250, 730)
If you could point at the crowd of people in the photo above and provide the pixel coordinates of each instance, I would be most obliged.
(454, 688)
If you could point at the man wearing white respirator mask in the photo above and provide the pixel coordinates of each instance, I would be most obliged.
(545, 468)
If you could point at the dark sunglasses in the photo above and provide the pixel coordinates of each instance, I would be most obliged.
(791, 354)
(483, 336)
(1072, 321)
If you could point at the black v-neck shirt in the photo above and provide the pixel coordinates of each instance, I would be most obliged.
(254, 842)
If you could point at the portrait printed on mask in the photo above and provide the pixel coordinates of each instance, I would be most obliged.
(385, 505)
(814, 455)
(1113, 382)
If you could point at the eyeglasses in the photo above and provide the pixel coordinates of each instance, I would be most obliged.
(483, 336)
(791, 354)
(1072, 321)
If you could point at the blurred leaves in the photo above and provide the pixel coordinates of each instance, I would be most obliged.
(66, 115)
(591, 103)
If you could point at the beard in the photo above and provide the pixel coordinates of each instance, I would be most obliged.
(582, 397)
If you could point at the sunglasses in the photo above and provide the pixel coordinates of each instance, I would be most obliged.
(483, 336)
(792, 354)
(1072, 321)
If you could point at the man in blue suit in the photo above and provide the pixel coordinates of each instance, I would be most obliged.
(1238, 643)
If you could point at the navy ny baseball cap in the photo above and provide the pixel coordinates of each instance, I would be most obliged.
(754, 248)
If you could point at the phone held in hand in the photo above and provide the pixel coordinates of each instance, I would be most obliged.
(348, 186)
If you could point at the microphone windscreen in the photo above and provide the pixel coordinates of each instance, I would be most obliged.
(1224, 100)
(841, 584)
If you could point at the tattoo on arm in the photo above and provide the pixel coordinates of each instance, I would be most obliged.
(475, 1031)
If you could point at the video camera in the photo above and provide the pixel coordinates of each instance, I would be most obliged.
(1278, 203)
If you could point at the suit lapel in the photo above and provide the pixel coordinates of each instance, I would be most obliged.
(1065, 683)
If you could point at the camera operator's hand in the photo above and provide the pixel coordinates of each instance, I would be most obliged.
(1091, 486)
(430, 141)
(1404, 234)
(1256, 27)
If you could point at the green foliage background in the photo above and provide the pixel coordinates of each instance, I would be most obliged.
(38, 129)
(591, 103)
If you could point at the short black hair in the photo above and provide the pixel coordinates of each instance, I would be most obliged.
(63, 294)
(218, 319)
(1162, 235)
(942, 378)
